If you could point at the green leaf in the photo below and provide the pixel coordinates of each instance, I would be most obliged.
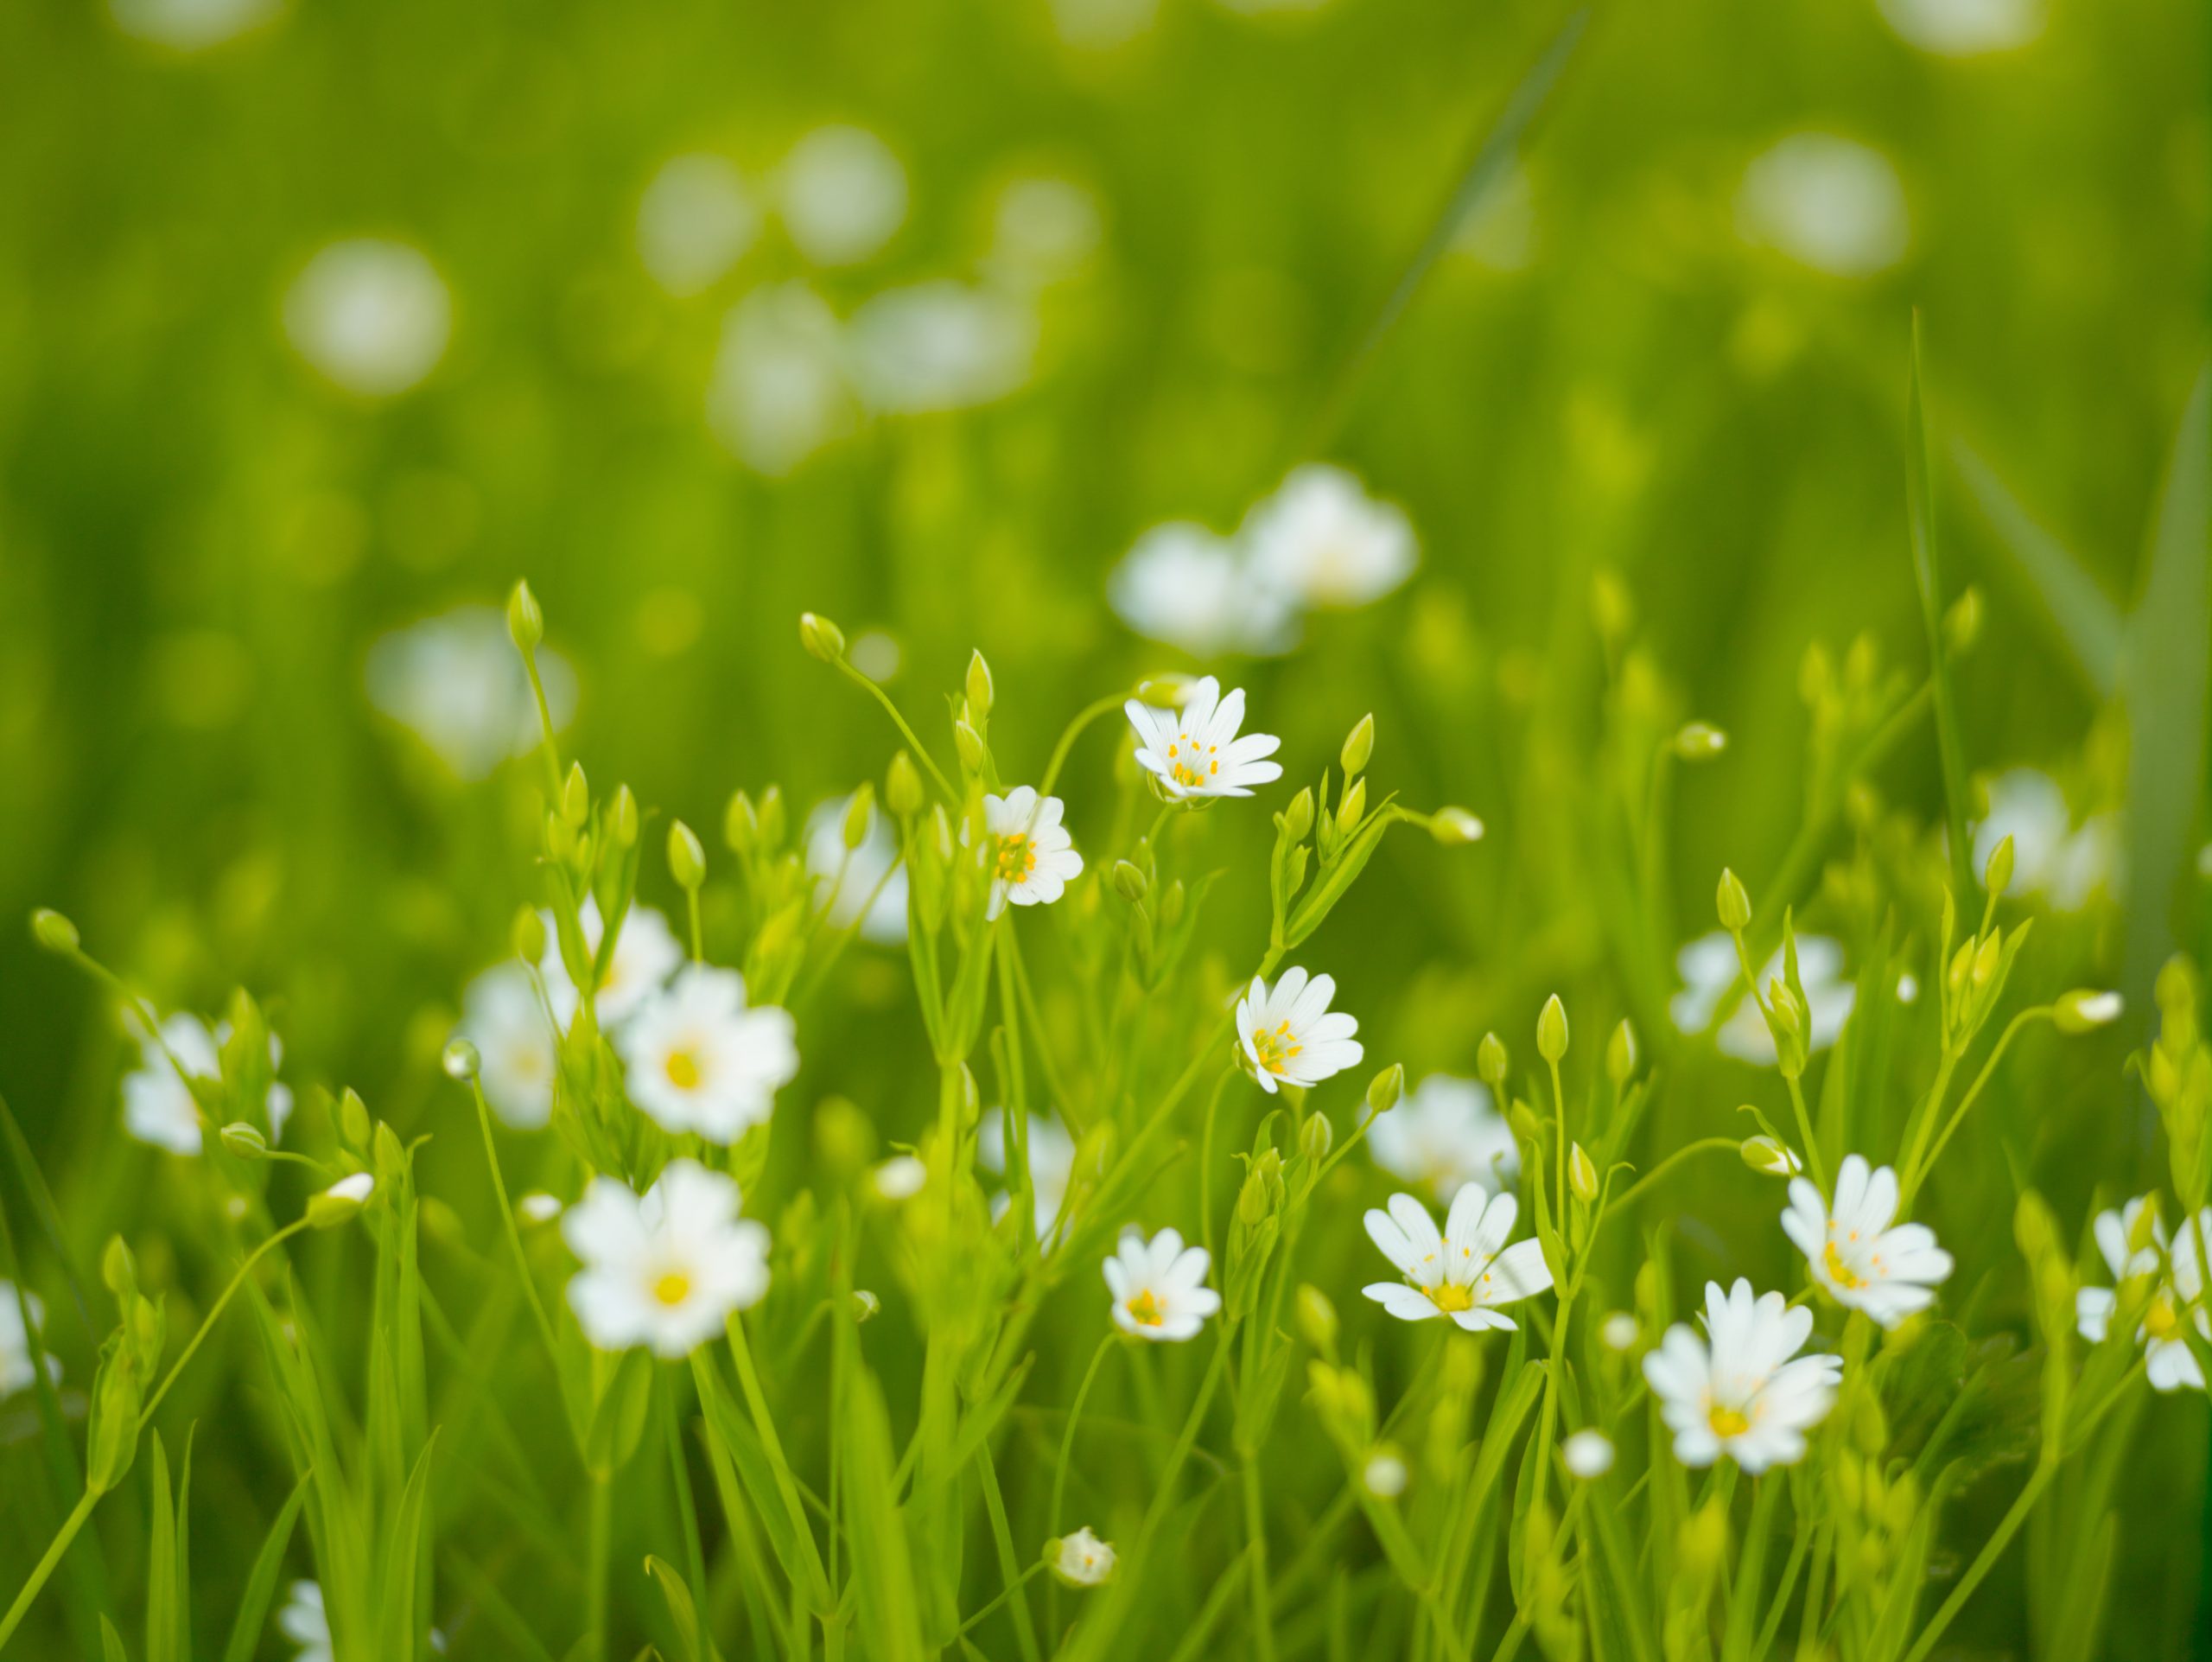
(400, 1628)
(111, 1642)
(161, 1564)
(261, 1581)
(690, 1646)
(618, 1420)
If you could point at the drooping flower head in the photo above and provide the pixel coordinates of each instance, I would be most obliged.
(1288, 1034)
(697, 1059)
(2177, 1296)
(1195, 753)
(1736, 1391)
(1444, 1134)
(665, 1269)
(1854, 1254)
(646, 954)
(1467, 1271)
(1159, 1286)
(1033, 858)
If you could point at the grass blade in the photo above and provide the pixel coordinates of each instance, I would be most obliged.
(261, 1581)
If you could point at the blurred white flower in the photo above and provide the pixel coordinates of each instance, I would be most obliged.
(1043, 230)
(698, 1060)
(1289, 1034)
(1159, 1286)
(1194, 751)
(2177, 1295)
(1082, 1559)
(665, 1269)
(1852, 1251)
(18, 1352)
(502, 1016)
(1051, 1164)
(158, 1106)
(2050, 857)
(192, 25)
(538, 1207)
(1619, 1331)
(1034, 858)
(1737, 1392)
(1465, 1271)
(1965, 28)
(1384, 1476)
(1183, 586)
(646, 954)
(372, 315)
(695, 220)
(1099, 24)
(1322, 538)
(455, 682)
(842, 193)
(900, 1178)
(826, 856)
(1588, 1453)
(1708, 968)
(305, 1622)
(1827, 202)
(778, 392)
(939, 346)
(1444, 1133)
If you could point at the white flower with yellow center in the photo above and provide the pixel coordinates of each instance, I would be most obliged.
(1322, 538)
(1465, 1273)
(1737, 1391)
(1290, 1035)
(1195, 752)
(697, 1059)
(1710, 971)
(1080, 1559)
(503, 1016)
(1854, 1252)
(1159, 1287)
(1033, 858)
(158, 1106)
(2177, 1296)
(665, 1269)
(646, 954)
(18, 1347)
(1444, 1134)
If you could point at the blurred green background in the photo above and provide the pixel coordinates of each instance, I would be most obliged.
(1660, 347)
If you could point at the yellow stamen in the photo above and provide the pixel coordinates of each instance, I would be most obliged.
(1144, 1309)
(1838, 1272)
(2161, 1320)
(1017, 858)
(1449, 1296)
(683, 1069)
(672, 1288)
(1273, 1049)
(1727, 1421)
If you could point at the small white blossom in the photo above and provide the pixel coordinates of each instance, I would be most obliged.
(1288, 1033)
(1183, 586)
(192, 25)
(1322, 538)
(1446, 1133)
(1738, 1392)
(538, 1208)
(1051, 1164)
(2177, 1295)
(1194, 752)
(305, 1622)
(1709, 968)
(1159, 1286)
(454, 681)
(666, 1269)
(697, 221)
(843, 193)
(1082, 1559)
(1965, 28)
(158, 1106)
(2051, 858)
(18, 1348)
(371, 315)
(939, 346)
(1384, 1476)
(778, 393)
(1465, 1273)
(1619, 1331)
(900, 1178)
(646, 954)
(504, 1017)
(1854, 1252)
(844, 879)
(698, 1060)
(1032, 857)
(1827, 202)
(1588, 1453)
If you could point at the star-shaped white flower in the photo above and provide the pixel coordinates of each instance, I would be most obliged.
(697, 1059)
(1854, 1254)
(665, 1269)
(1159, 1286)
(1738, 1392)
(504, 1018)
(1080, 1559)
(1446, 1133)
(1465, 1273)
(1195, 753)
(1290, 1035)
(1322, 538)
(2177, 1295)
(1032, 857)
(646, 954)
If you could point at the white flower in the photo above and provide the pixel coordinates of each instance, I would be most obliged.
(844, 879)
(1043, 230)
(1183, 586)
(1827, 202)
(1853, 1253)
(1965, 28)
(843, 193)
(305, 1622)
(1032, 857)
(1709, 968)
(777, 391)
(538, 1208)
(1159, 1286)
(1289, 1033)
(504, 1018)
(158, 1106)
(2049, 857)
(371, 315)
(455, 682)
(1739, 1394)
(1195, 753)
(697, 1059)
(1098, 25)
(666, 1269)
(18, 1348)
(1384, 1476)
(2176, 1295)
(353, 1190)
(939, 346)
(1082, 1559)
(900, 1178)
(695, 221)
(1322, 538)
(1464, 1273)
(1051, 1164)
(1618, 1331)
(1588, 1453)
(192, 25)
(1446, 1133)
(645, 954)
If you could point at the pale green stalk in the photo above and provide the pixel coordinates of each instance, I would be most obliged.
(1916, 1171)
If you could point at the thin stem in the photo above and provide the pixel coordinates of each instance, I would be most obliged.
(1012, 1588)
(1918, 1174)
(1986, 1560)
(1255, 1529)
(45, 1568)
(913, 742)
(1206, 1162)
(1089, 714)
(602, 1495)
(514, 1242)
(1704, 1145)
(214, 1310)
(698, 940)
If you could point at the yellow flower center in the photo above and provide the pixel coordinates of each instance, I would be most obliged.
(2161, 1320)
(1191, 764)
(1144, 1309)
(1017, 858)
(1450, 1295)
(1727, 1421)
(683, 1069)
(671, 1288)
(1274, 1049)
(1838, 1272)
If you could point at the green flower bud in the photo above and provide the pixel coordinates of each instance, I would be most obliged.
(902, 787)
(1316, 1138)
(970, 744)
(1987, 960)
(1455, 827)
(1298, 818)
(1163, 692)
(119, 1269)
(576, 796)
(858, 812)
(1262, 1194)
(341, 1202)
(1317, 1319)
(623, 822)
(460, 1061)
(687, 861)
(1620, 1054)
(1763, 1154)
(53, 932)
(1734, 904)
(354, 1126)
(1350, 809)
(1996, 876)
(1385, 1088)
(822, 638)
(1129, 882)
(528, 935)
(1581, 1172)
(1359, 745)
(2084, 1010)
(1962, 622)
(979, 687)
(1700, 741)
(1171, 901)
(244, 1141)
(1551, 1030)
(1492, 1063)
(525, 622)
(741, 825)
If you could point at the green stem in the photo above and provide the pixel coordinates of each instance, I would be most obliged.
(1986, 1559)
(1917, 1173)
(921, 751)
(698, 940)
(522, 1259)
(214, 1310)
(1256, 1528)
(1703, 1145)
(1084, 717)
(756, 1402)
(602, 1496)
(46, 1566)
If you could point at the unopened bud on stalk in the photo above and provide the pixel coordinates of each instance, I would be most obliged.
(1700, 741)
(1985, 961)
(1492, 1063)
(687, 861)
(1298, 818)
(1962, 623)
(1763, 1154)
(2083, 1011)
(576, 796)
(1359, 745)
(623, 821)
(741, 825)
(1351, 807)
(865, 1304)
(1317, 1319)
(53, 932)
(459, 1059)
(525, 622)
(1733, 903)
(822, 638)
(1455, 827)
(858, 812)
(1385, 1088)
(341, 1201)
(979, 687)
(1129, 882)
(1315, 1137)
(1581, 1173)
(528, 935)
(1996, 876)
(1551, 1030)
(1962, 966)
(245, 1141)
(354, 1126)
(1171, 901)
(902, 787)
(969, 743)
(1620, 1054)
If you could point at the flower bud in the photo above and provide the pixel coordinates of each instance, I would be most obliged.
(245, 1141)
(1317, 1319)
(1551, 1030)
(865, 1304)
(2083, 1011)
(1996, 876)
(576, 795)
(1385, 1088)
(354, 1126)
(1298, 818)
(979, 687)
(902, 787)
(1962, 622)
(525, 622)
(1987, 960)
(53, 932)
(1351, 807)
(1491, 1062)
(1733, 903)
(341, 1201)
(822, 638)
(1164, 692)
(969, 743)
(1262, 1194)
(1763, 1154)
(687, 861)
(858, 812)
(1699, 742)
(1455, 827)
(623, 821)
(1620, 1054)
(1359, 745)
(1581, 1172)
(1129, 882)
(1315, 1137)
(528, 935)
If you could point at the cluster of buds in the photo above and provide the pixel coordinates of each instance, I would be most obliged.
(1875, 1506)
(1974, 970)
(127, 1365)
(2178, 1074)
